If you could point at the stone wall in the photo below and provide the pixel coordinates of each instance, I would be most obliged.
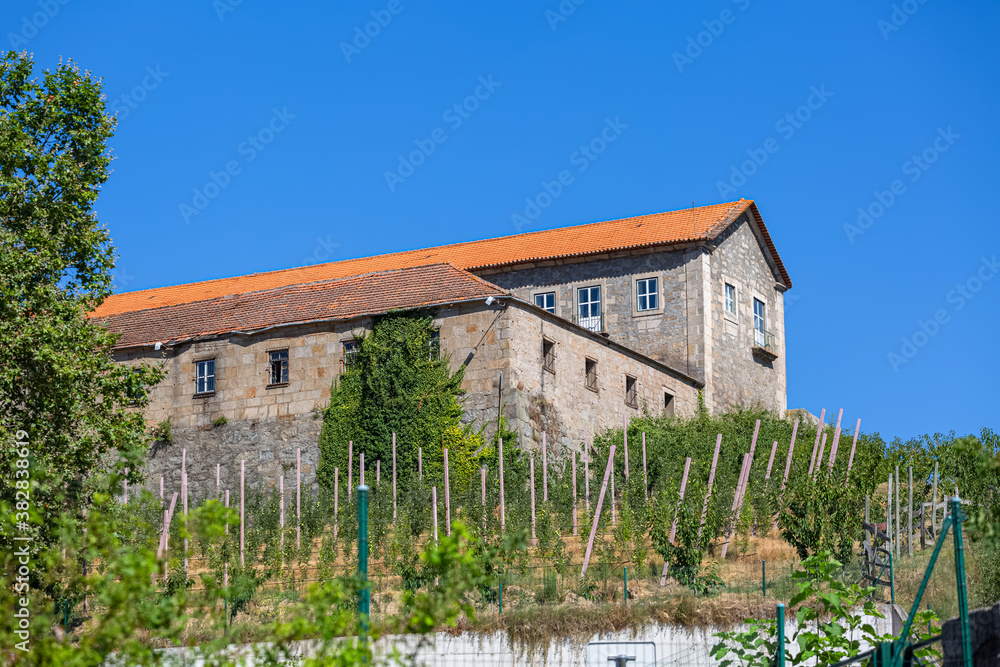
(737, 377)
(660, 334)
(559, 403)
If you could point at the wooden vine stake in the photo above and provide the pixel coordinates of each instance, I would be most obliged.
(625, 443)
(545, 470)
(836, 439)
(600, 501)
(673, 527)
(242, 512)
(819, 431)
(575, 503)
(708, 493)
(298, 498)
(394, 477)
(447, 496)
(854, 445)
(336, 502)
(350, 469)
(645, 476)
(531, 472)
(503, 508)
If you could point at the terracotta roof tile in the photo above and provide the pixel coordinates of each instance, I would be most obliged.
(339, 299)
(687, 225)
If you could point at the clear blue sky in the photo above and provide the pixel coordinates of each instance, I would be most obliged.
(201, 77)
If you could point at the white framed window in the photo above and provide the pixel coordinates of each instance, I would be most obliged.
(204, 377)
(588, 304)
(647, 294)
(730, 299)
(278, 360)
(546, 301)
(759, 322)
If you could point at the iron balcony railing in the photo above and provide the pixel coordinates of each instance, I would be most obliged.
(764, 340)
(594, 323)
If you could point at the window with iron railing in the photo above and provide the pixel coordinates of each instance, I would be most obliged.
(588, 304)
(350, 353)
(278, 362)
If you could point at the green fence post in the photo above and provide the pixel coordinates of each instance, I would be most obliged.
(963, 598)
(779, 659)
(892, 580)
(363, 599)
(626, 584)
(763, 576)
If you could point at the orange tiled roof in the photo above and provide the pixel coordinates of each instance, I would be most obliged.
(688, 225)
(339, 299)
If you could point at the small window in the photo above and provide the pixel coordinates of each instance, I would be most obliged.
(434, 345)
(350, 352)
(591, 374)
(548, 355)
(204, 382)
(546, 301)
(668, 404)
(279, 367)
(759, 322)
(631, 392)
(730, 299)
(647, 296)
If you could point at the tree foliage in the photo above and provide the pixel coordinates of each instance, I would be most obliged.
(60, 390)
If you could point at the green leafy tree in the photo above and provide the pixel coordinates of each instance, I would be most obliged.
(398, 383)
(77, 412)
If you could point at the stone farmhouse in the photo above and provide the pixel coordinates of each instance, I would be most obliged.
(586, 324)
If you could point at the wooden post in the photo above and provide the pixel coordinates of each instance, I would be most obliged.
(225, 566)
(281, 518)
(819, 459)
(350, 469)
(791, 448)
(575, 531)
(645, 475)
(836, 439)
(770, 461)
(298, 497)
(447, 495)
(613, 521)
(708, 493)
(218, 478)
(737, 501)
(242, 512)
(625, 442)
(434, 502)
(868, 509)
(819, 431)
(586, 470)
(888, 513)
(394, 477)
(934, 530)
(503, 507)
(597, 515)
(909, 511)
(531, 468)
(545, 470)
(854, 445)
(184, 501)
(923, 542)
(673, 527)
(163, 505)
(895, 524)
(336, 502)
